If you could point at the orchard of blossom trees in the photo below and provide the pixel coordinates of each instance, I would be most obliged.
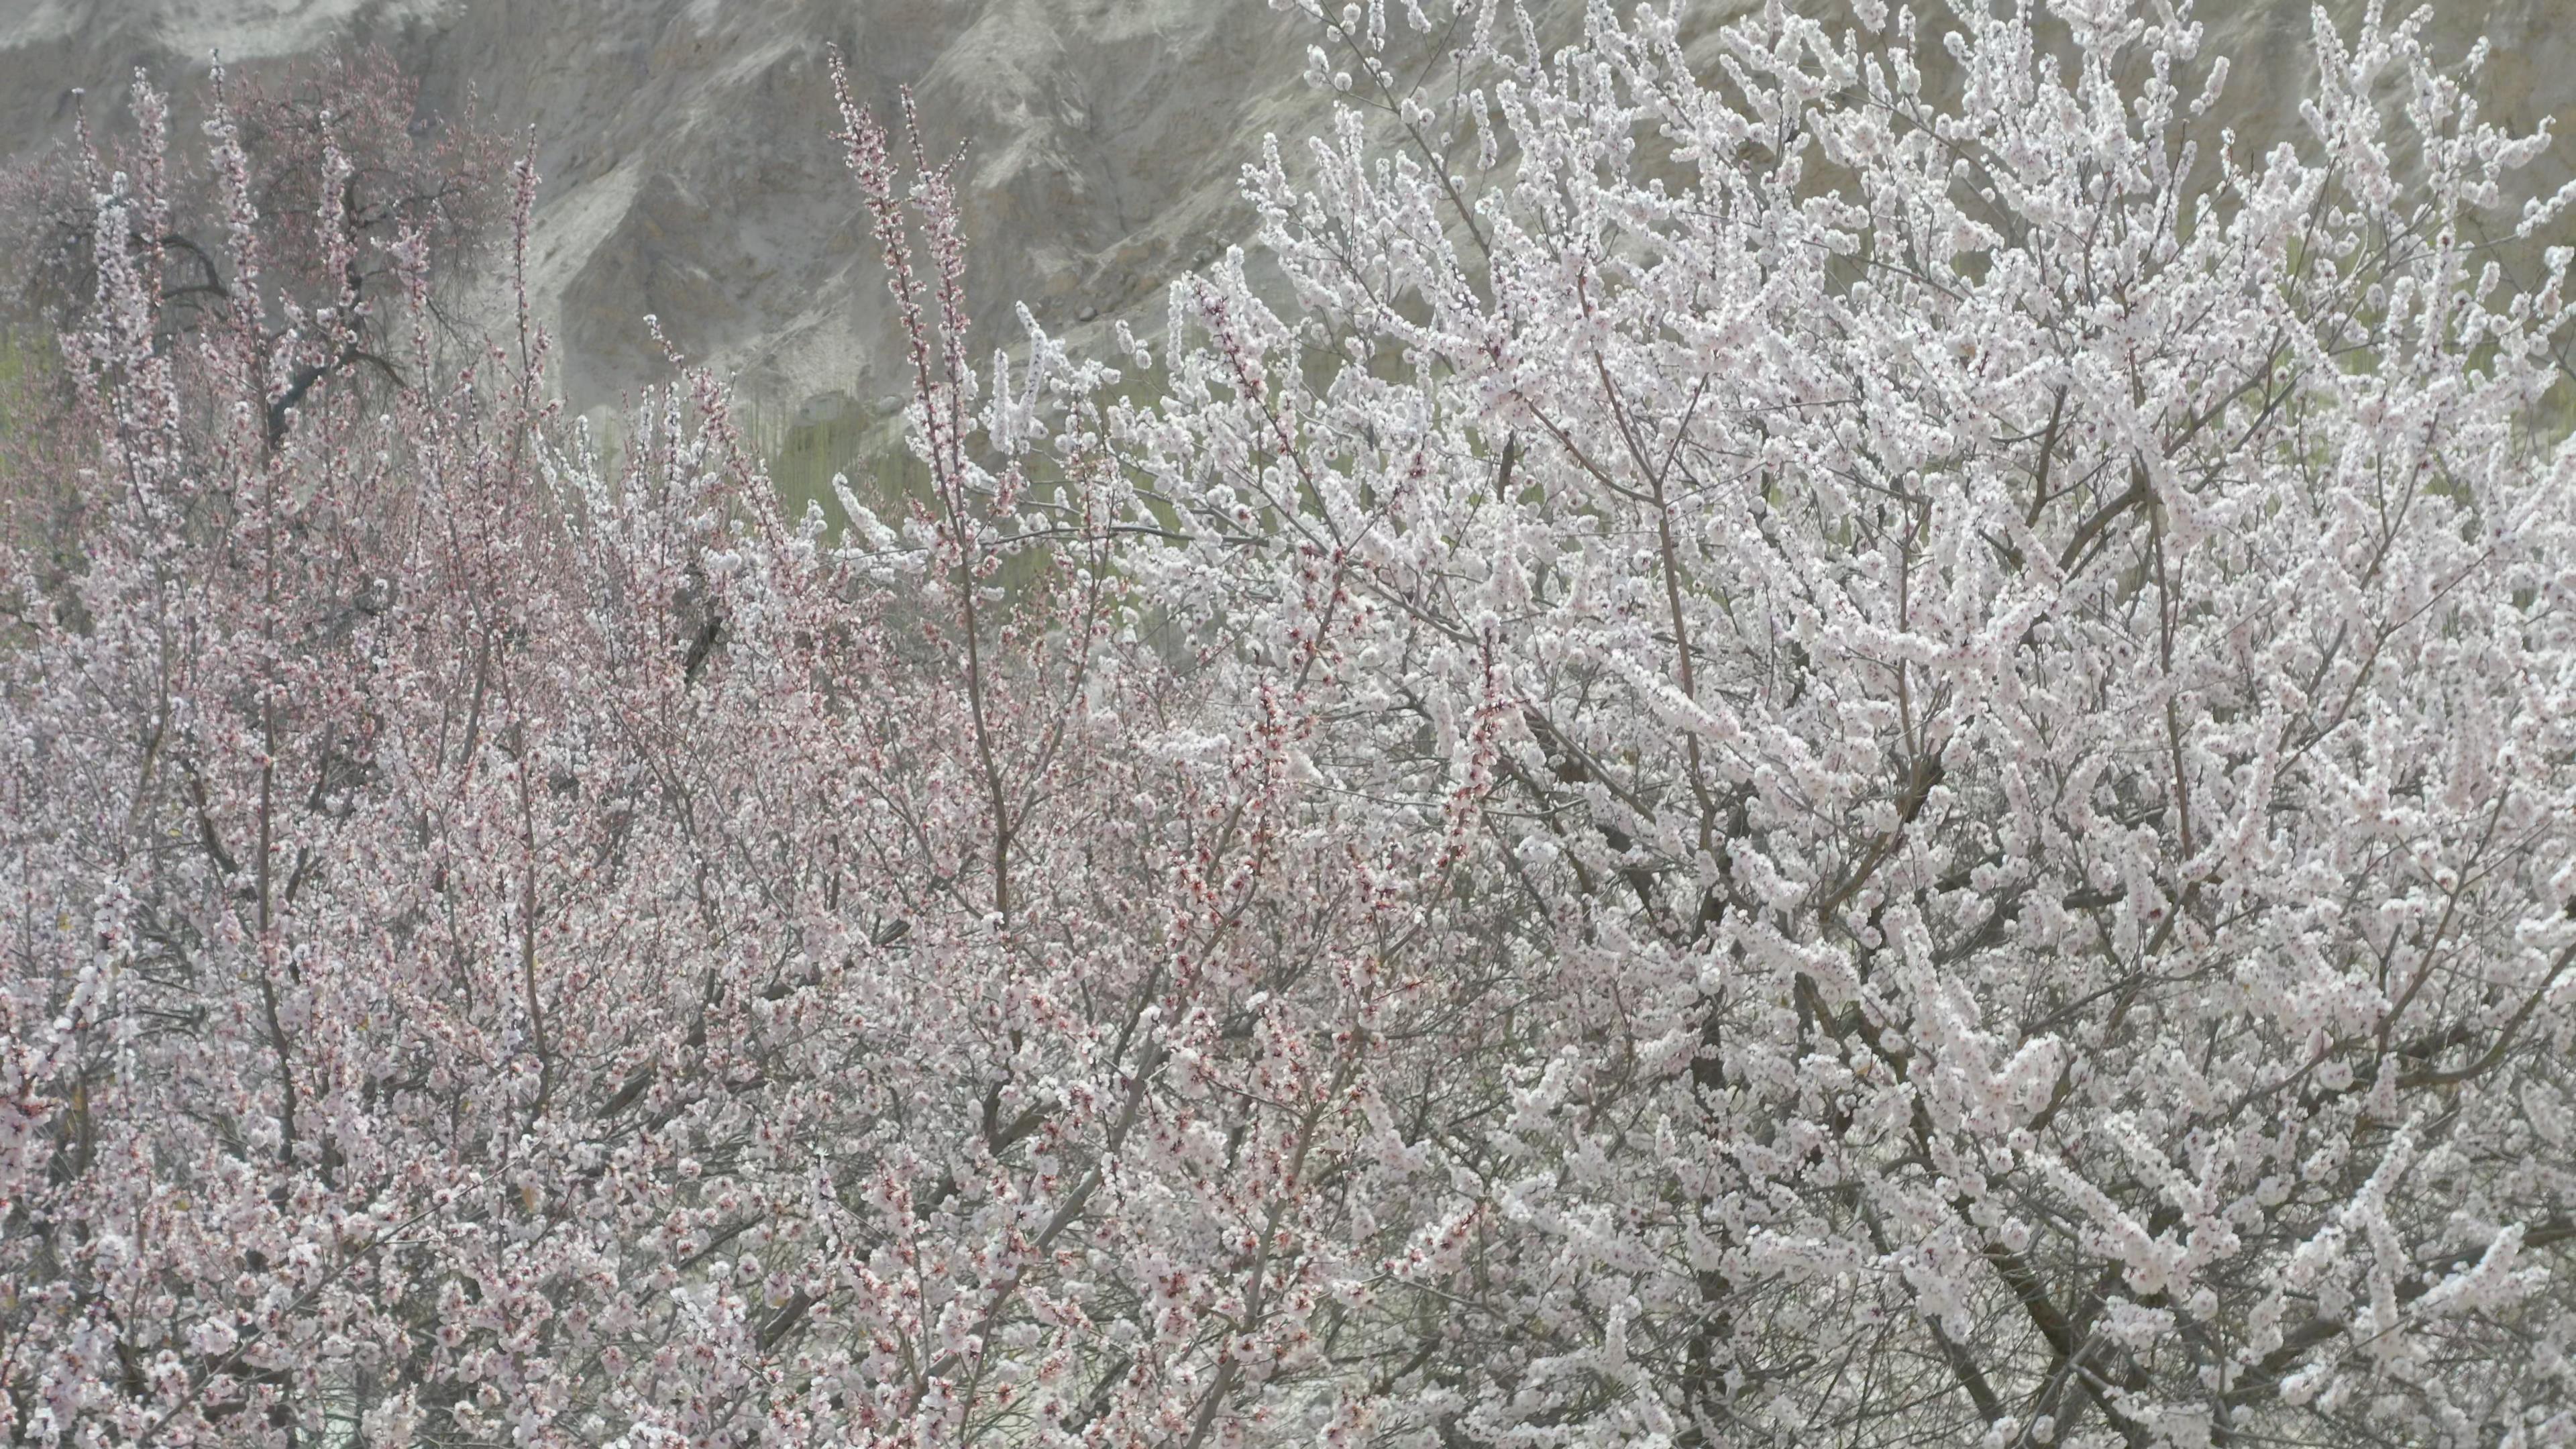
(1865, 739)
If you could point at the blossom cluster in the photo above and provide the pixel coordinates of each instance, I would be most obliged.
(1773, 733)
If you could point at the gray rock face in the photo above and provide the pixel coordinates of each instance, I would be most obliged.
(688, 161)
(690, 174)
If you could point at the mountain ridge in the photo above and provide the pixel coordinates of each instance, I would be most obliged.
(689, 171)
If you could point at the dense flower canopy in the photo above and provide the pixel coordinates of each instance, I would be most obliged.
(1848, 735)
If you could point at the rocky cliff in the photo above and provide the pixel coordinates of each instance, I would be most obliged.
(689, 171)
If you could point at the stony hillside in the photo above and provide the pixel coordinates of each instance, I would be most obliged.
(689, 172)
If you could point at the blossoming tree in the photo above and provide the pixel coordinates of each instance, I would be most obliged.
(1823, 734)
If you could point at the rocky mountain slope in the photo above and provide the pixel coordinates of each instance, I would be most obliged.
(689, 172)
